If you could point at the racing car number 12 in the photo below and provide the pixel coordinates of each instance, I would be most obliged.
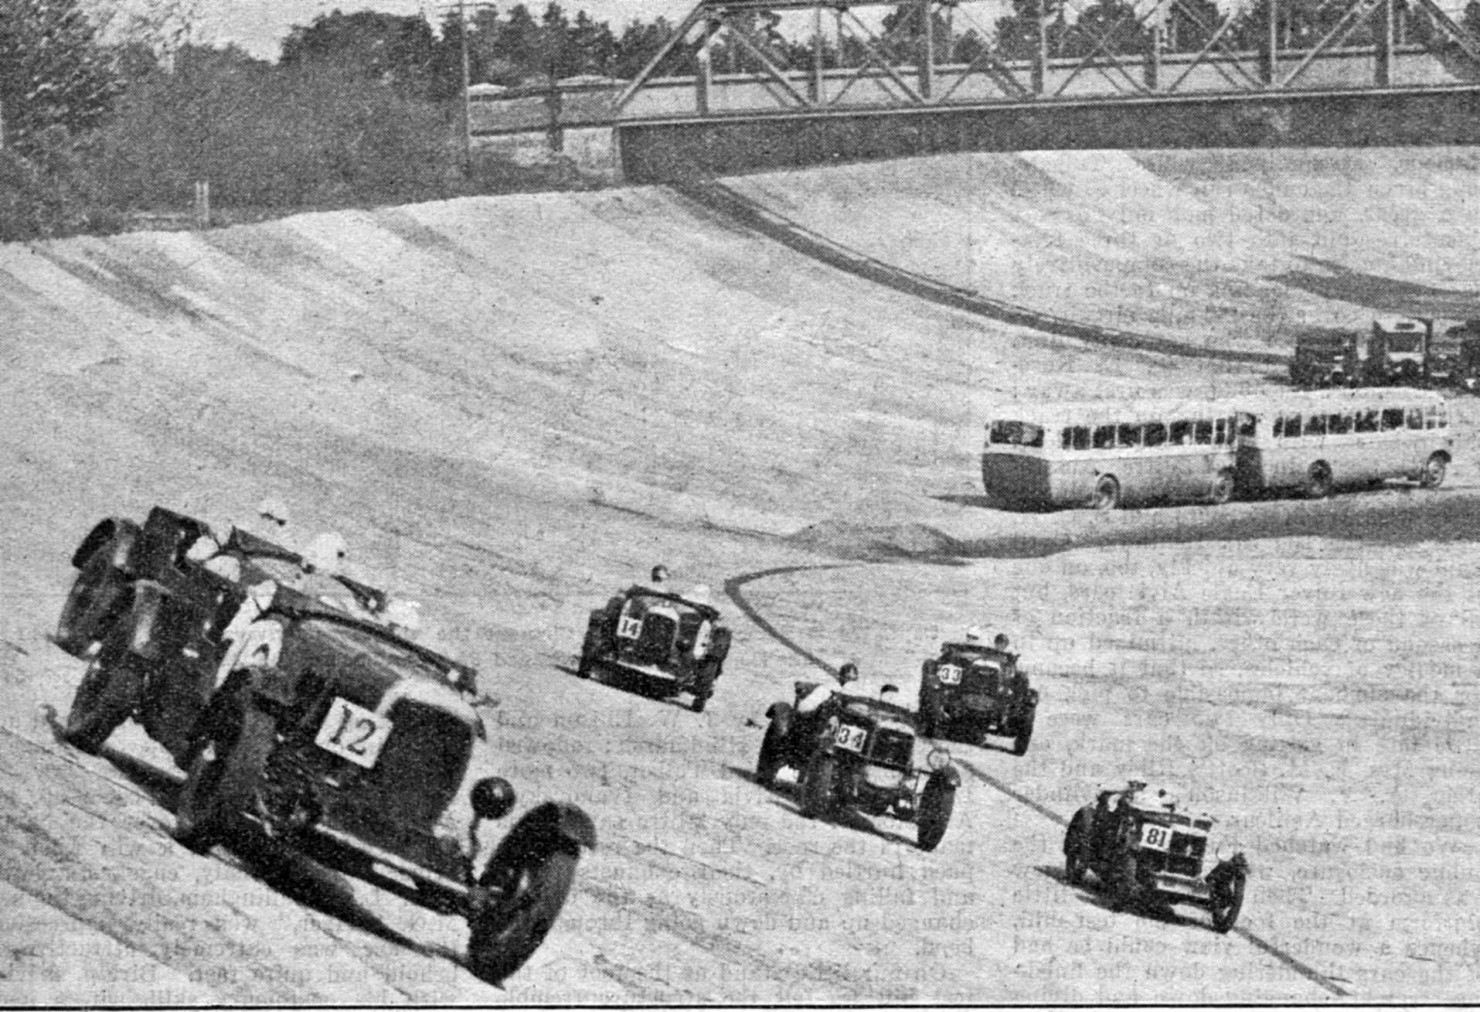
(354, 733)
(850, 737)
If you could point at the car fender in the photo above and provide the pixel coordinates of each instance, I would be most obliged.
(119, 531)
(552, 819)
(950, 776)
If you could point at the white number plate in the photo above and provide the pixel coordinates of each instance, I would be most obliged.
(1154, 837)
(948, 674)
(629, 628)
(354, 733)
(850, 737)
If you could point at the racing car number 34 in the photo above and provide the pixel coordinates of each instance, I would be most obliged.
(352, 732)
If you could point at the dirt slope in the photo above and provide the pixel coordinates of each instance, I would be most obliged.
(511, 406)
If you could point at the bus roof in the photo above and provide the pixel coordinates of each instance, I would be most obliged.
(1102, 412)
(1340, 399)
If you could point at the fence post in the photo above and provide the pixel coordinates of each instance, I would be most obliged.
(203, 204)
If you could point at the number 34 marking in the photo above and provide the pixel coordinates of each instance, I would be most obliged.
(353, 732)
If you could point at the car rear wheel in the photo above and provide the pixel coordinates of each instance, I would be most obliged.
(937, 802)
(92, 602)
(106, 696)
(1318, 483)
(1228, 900)
(1434, 470)
(223, 777)
(1076, 844)
(818, 781)
(1106, 495)
(1024, 734)
(535, 878)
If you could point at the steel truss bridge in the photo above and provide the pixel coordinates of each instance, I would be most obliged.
(860, 79)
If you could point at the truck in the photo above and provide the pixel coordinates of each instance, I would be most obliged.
(1399, 351)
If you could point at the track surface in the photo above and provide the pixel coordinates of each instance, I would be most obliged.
(508, 418)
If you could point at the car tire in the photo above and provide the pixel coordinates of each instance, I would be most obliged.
(1318, 481)
(937, 802)
(1125, 890)
(91, 604)
(506, 933)
(1024, 734)
(704, 685)
(1107, 493)
(1434, 470)
(771, 757)
(1076, 847)
(1227, 902)
(223, 777)
(818, 782)
(107, 695)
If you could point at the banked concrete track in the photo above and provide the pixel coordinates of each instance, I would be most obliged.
(510, 406)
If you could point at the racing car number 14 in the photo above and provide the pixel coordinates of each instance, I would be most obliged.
(352, 732)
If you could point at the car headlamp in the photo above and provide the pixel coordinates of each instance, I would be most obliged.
(938, 759)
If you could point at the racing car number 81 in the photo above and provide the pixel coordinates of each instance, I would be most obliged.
(1155, 837)
(354, 733)
(850, 737)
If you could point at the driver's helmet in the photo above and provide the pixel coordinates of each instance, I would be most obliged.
(848, 673)
(659, 574)
(274, 510)
(1000, 642)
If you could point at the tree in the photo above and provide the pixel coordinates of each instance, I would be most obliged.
(53, 72)
(392, 49)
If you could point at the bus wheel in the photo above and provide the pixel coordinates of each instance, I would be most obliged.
(1433, 471)
(1222, 490)
(1318, 481)
(1107, 494)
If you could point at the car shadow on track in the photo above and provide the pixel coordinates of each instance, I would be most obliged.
(290, 874)
(1091, 893)
(631, 682)
(844, 817)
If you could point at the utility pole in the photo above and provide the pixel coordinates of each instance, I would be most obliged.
(467, 102)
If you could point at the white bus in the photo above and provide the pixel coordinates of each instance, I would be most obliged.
(1317, 441)
(1105, 455)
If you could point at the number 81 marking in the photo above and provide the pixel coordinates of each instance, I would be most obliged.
(1156, 837)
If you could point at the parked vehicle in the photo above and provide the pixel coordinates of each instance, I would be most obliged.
(668, 640)
(1401, 351)
(327, 732)
(1109, 454)
(1144, 850)
(1320, 441)
(972, 690)
(858, 753)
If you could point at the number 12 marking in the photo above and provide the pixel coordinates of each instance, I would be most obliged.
(352, 732)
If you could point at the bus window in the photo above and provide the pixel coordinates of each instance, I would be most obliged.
(1156, 433)
(1017, 434)
(1075, 437)
(1292, 426)
(1128, 435)
(1247, 424)
(1221, 435)
(1367, 421)
(1392, 418)
(1415, 418)
(1182, 433)
(1339, 425)
(1204, 432)
(1104, 437)
(1315, 425)
(1434, 417)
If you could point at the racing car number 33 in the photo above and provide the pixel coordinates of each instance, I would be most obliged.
(352, 732)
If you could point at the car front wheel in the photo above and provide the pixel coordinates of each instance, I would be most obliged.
(1124, 889)
(1076, 842)
(1024, 734)
(769, 762)
(90, 605)
(534, 879)
(937, 802)
(818, 783)
(1228, 900)
(223, 778)
(106, 696)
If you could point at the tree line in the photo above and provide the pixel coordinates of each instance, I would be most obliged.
(362, 108)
